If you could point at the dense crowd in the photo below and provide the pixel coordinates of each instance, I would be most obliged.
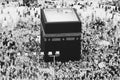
(20, 42)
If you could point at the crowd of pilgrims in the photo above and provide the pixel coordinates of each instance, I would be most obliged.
(20, 42)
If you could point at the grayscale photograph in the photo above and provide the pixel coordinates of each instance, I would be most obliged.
(59, 39)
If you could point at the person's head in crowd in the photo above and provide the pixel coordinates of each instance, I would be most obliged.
(7, 2)
(3, 4)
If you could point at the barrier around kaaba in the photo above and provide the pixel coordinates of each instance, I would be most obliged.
(61, 31)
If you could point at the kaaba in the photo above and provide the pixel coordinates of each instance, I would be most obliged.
(61, 31)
